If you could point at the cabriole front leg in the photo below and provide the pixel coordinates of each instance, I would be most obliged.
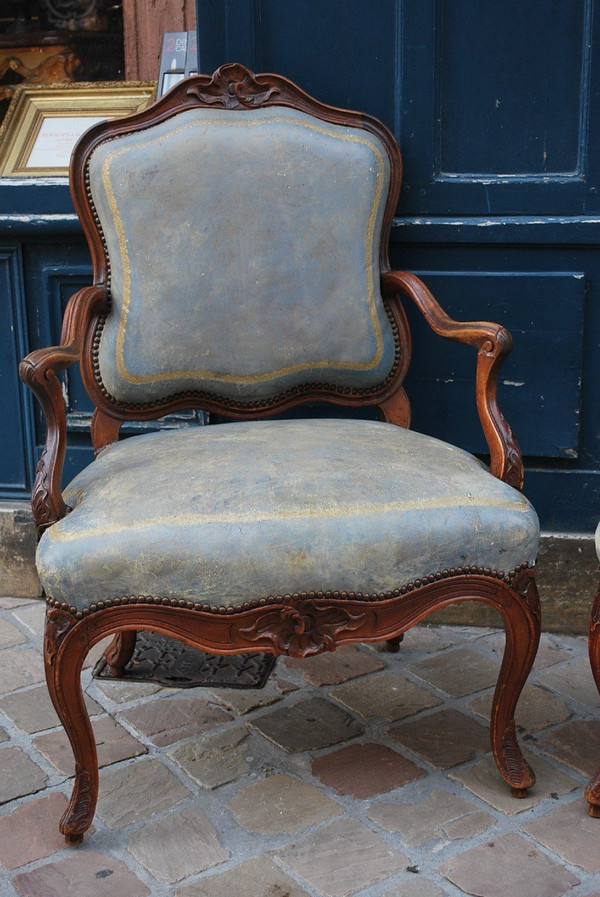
(65, 648)
(520, 608)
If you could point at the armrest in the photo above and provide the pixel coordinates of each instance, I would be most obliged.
(493, 343)
(39, 370)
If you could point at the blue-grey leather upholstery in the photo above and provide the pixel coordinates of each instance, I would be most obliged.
(244, 255)
(243, 511)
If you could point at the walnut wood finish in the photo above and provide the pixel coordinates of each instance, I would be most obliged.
(294, 625)
(40, 372)
(493, 343)
(592, 792)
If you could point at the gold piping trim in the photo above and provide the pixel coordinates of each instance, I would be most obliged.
(266, 516)
(231, 378)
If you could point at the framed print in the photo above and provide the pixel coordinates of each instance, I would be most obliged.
(44, 122)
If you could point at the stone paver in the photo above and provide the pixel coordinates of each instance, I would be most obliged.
(167, 720)
(308, 725)
(33, 616)
(441, 816)
(577, 744)
(32, 711)
(31, 831)
(91, 873)
(122, 692)
(550, 651)
(392, 697)
(445, 738)
(114, 743)
(19, 775)
(215, 759)
(364, 770)
(573, 679)
(508, 866)
(415, 887)
(10, 635)
(333, 667)
(136, 792)
(484, 780)
(459, 672)
(259, 877)
(244, 700)
(179, 845)
(281, 804)
(285, 686)
(342, 858)
(163, 820)
(425, 638)
(20, 667)
(96, 653)
(537, 708)
(8, 603)
(571, 833)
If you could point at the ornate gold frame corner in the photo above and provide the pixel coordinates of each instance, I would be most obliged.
(31, 106)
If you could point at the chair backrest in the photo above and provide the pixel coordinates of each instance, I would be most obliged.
(241, 228)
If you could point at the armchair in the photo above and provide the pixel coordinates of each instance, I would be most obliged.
(238, 230)
(592, 792)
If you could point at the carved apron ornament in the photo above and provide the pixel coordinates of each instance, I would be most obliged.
(303, 629)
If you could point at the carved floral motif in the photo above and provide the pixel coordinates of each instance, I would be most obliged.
(58, 623)
(513, 473)
(233, 87)
(524, 584)
(303, 629)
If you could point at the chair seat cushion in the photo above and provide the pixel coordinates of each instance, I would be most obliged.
(239, 512)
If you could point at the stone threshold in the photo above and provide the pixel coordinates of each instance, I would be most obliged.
(568, 573)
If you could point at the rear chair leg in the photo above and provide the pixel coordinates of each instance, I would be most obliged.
(65, 648)
(392, 645)
(119, 652)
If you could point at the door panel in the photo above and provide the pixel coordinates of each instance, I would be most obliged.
(16, 449)
(539, 386)
(495, 103)
(497, 94)
(495, 108)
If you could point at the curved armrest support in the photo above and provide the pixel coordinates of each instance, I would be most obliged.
(39, 370)
(493, 343)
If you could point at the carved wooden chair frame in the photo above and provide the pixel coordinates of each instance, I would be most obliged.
(592, 792)
(296, 625)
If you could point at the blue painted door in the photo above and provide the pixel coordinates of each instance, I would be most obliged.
(495, 106)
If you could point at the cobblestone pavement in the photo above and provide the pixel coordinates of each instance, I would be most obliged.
(359, 772)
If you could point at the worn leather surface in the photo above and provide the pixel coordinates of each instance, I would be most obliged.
(244, 252)
(242, 511)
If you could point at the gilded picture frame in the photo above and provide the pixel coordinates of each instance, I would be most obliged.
(44, 122)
